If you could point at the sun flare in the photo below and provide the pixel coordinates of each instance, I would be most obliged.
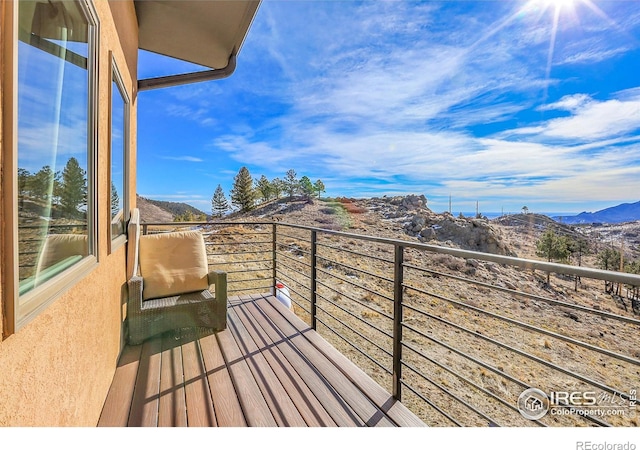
(559, 8)
(560, 3)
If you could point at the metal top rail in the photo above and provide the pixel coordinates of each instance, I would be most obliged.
(588, 272)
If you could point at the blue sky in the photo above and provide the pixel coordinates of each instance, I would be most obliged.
(505, 103)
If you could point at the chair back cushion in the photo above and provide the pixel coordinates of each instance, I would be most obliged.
(173, 263)
(58, 247)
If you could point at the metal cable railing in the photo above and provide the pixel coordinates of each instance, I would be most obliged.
(456, 335)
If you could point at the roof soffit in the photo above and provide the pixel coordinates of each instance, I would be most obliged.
(204, 32)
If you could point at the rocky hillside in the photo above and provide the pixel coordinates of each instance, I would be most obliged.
(161, 211)
(408, 217)
(150, 212)
(420, 222)
(401, 217)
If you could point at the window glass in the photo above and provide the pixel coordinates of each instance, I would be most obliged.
(119, 111)
(54, 208)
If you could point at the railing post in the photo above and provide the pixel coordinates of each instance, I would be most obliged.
(314, 273)
(273, 256)
(398, 279)
(144, 228)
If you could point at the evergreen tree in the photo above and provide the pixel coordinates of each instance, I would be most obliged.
(277, 186)
(219, 204)
(632, 267)
(552, 247)
(306, 186)
(24, 179)
(115, 200)
(318, 187)
(291, 183)
(577, 248)
(609, 259)
(41, 183)
(263, 186)
(73, 193)
(242, 193)
(57, 188)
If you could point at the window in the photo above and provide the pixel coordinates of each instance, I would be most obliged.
(55, 148)
(119, 151)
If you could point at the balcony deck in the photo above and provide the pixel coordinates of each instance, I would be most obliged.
(268, 368)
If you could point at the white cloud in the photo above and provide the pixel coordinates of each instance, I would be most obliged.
(598, 121)
(183, 158)
(590, 120)
(567, 103)
(592, 56)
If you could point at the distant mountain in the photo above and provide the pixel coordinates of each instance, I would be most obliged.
(626, 212)
(161, 211)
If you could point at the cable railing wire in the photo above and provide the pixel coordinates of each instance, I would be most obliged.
(318, 250)
(354, 284)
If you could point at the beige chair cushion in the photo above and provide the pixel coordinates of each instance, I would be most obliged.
(173, 263)
(58, 247)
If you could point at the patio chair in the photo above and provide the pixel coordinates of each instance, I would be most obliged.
(169, 284)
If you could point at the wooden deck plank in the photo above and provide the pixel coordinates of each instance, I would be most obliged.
(333, 403)
(282, 407)
(144, 407)
(200, 411)
(115, 412)
(308, 405)
(225, 400)
(396, 411)
(173, 409)
(268, 368)
(256, 410)
(361, 404)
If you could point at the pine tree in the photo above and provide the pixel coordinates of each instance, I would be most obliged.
(263, 185)
(552, 247)
(57, 188)
(41, 183)
(24, 179)
(242, 193)
(609, 259)
(73, 194)
(291, 183)
(318, 187)
(278, 186)
(306, 186)
(115, 200)
(219, 203)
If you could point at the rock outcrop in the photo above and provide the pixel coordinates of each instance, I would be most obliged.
(441, 229)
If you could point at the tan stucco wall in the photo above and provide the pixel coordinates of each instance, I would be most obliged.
(57, 369)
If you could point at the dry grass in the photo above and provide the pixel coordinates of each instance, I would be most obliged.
(490, 347)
